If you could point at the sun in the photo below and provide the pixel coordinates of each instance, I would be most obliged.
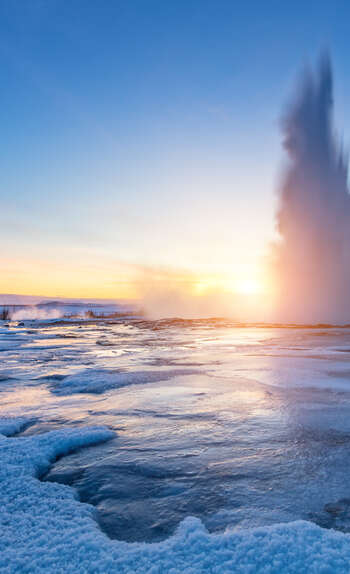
(246, 286)
(238, 285)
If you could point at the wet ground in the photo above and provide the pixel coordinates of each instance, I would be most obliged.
(240, 426)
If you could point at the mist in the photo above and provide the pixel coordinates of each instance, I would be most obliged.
(312, 259)
(34, 312)
(168, 294)
(171, 300)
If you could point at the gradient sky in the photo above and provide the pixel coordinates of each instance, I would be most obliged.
(141, 137)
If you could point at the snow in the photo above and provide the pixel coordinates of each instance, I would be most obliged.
(12, 425)
(101, 380)
(45, 529)
(286, 436)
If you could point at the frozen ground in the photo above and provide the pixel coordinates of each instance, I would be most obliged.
(242, 428)
(19, 308)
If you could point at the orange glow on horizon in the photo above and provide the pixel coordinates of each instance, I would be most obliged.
(66, 279)
(240, 292)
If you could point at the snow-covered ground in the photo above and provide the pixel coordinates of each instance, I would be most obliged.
(35, 308)
(207, 448)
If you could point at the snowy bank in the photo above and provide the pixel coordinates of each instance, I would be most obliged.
(10, 426)
(45, 529)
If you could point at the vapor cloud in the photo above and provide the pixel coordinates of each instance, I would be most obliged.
(313, 256)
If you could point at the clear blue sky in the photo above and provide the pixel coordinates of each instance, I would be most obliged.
(145, 133)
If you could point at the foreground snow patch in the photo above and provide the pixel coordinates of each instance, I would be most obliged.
(12, 425)
(101, 380)
(44, 529)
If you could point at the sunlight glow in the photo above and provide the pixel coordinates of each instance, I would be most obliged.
(242, 285)
(247, 286)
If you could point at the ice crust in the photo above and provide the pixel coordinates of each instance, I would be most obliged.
(45, 529)
(101, 380)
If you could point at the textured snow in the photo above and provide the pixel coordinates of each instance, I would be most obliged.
(101, 380)
(44, 528)
(10, 425)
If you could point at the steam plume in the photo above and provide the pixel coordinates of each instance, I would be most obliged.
(313, 257)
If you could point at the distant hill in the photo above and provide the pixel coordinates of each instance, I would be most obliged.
(14, 299)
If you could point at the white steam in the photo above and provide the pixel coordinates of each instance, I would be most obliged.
(33, 312)
(313, 257)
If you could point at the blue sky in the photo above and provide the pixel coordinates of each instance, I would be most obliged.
(144, 134)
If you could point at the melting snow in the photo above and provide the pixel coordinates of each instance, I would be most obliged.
(44, 528)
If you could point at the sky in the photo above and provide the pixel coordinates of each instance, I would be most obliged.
(140, 140)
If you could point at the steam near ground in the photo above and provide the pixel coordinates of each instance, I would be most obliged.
(170, 300)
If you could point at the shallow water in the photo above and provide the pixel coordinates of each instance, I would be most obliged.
(240, 426)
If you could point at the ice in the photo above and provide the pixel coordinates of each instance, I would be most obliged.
(216, 469)
(99, 381)
(44, 528)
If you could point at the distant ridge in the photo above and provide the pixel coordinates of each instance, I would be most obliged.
(14, 299)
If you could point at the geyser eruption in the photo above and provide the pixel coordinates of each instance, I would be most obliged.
(313, 256)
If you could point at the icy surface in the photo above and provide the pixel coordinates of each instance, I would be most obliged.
(236, 427)
(99, 381)
(45, 529)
